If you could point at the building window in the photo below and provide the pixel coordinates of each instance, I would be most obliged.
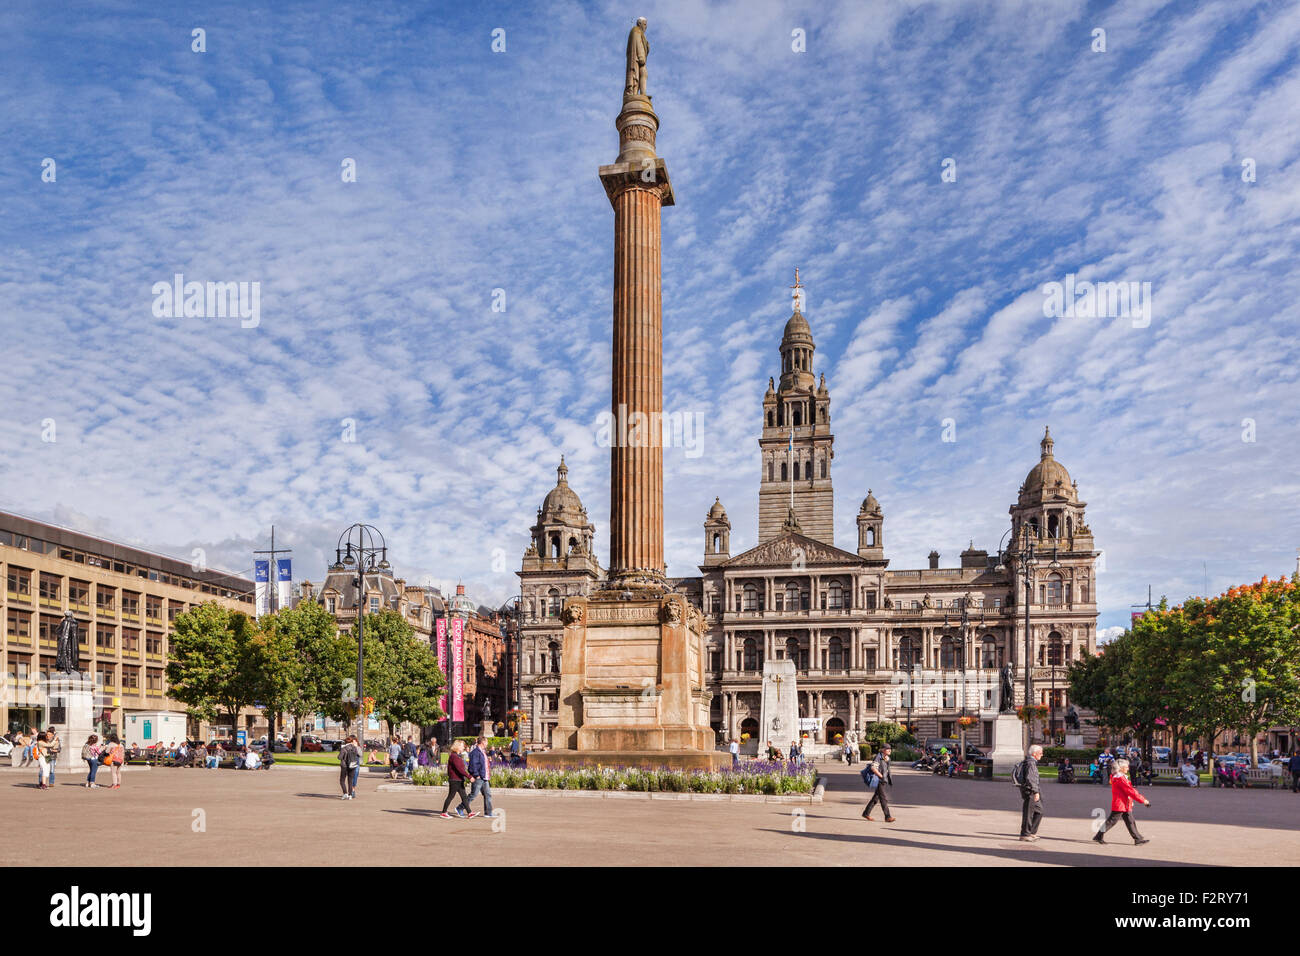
(949, 703)
(870, 658)
(749, 654)
(947, 653)
(1055, 589)
(835, 596)
(835, 654)
(20, 626)
(19, 583)
(1055, 655)
(553, 603)
(751, 598)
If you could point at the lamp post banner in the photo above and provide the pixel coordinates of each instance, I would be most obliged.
(458, 669)
(262, 587)
(441, 640)
(284, 582)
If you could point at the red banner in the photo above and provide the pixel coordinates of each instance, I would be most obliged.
(458, 669)
(441, 641)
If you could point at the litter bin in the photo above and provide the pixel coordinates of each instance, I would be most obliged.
(983, 768)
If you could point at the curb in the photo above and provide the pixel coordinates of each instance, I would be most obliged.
(785, 798)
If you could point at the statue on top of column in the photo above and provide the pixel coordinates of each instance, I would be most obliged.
(637, 49)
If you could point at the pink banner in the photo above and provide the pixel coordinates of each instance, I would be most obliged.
(458, 669)
(441, 641)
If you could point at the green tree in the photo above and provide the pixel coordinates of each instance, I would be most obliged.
(212, 661)
(401, 671)
(303, 662)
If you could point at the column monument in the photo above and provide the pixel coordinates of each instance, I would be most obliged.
(632, 689)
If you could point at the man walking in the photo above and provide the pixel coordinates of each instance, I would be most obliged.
(734, 747)
(1031, 811)
(1122, 795)
(480, 771)
(879, 770)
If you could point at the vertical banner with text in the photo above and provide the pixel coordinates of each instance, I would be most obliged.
(262, 588)
(441, 638)
(458, 669)
(283, 583)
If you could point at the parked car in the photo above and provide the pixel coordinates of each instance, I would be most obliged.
(6, 748)
(311, 743)
(1161, 754)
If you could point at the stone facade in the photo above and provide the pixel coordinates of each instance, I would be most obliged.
(851, 624)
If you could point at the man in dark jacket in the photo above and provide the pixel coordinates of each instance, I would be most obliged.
(1031, 811)
(879, 768)
(1294, 766)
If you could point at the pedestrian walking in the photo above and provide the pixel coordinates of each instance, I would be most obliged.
(1122, 795)
(90, 754)
(409, 756)
(480, 772)
(878, 770)
(734, 747)
(349, 764)
(394, 757)
(457, 774)
(1293, 765)
(1025, 776)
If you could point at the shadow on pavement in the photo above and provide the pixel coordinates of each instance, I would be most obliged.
(1027, 854)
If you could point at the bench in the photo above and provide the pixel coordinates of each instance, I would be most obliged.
(1167, 775)
(1259, 778)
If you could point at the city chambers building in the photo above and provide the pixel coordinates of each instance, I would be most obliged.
(124, 601)
(921, 647)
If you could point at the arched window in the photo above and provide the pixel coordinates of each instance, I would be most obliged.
(835, 596)
(791, 596)
(798, 416)
(1053, 526)
(835, 654)
(947, 653)
(553, 603)
(751, 598)
(796, 471)
(795, 652)
(1055, 589)
(555, 545)
(784, 476)
(871, 537)
(989, 652)
(553, 652)
(1055, 650)
(573, 544)
(769, 418)
(750, 655)
(717, 541)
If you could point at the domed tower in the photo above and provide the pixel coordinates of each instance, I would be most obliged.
(717, 535)
(563, 528)
(1048, 506)
(871, 529)
(796, 444)
(1062, 584)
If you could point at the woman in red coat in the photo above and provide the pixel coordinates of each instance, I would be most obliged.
(1122, 795)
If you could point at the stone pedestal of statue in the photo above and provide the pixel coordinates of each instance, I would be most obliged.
(632, 687)
(1008, 742)
(1073, 740)
(69, 709)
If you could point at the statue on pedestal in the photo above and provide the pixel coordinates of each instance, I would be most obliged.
(637, 49)
(68, 655)
(1072, 718)
(1007, 697)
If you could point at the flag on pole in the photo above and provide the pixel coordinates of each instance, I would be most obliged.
(262, 588)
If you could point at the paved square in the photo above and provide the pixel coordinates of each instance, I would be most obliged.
(292, 816)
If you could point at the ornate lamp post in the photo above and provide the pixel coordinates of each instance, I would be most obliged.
(362, 549)
(1024, 554)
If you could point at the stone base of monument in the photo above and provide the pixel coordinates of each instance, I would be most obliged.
(70, 700)
(1074, 741)
(779, 710)
(632, 688)
(1008, 742)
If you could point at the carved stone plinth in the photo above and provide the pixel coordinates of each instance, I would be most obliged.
(632, 685)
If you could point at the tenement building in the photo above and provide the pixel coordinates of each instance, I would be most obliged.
(922, 647)
(124, 601)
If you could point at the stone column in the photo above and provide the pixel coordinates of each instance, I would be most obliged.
(638, 187)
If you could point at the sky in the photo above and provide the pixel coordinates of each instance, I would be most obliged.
(433, 336)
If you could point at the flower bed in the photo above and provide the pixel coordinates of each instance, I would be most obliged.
(754, 777)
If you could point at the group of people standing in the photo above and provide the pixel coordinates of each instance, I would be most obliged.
(42, 748)
(477, 773)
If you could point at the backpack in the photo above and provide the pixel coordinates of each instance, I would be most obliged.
(1018, 775)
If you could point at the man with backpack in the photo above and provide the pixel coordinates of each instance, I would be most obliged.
(877, 776)
(1025, 776)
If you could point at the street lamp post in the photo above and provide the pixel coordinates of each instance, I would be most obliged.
(361, 547)
(1025, 555)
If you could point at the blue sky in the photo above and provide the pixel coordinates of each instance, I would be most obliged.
(477, 171)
